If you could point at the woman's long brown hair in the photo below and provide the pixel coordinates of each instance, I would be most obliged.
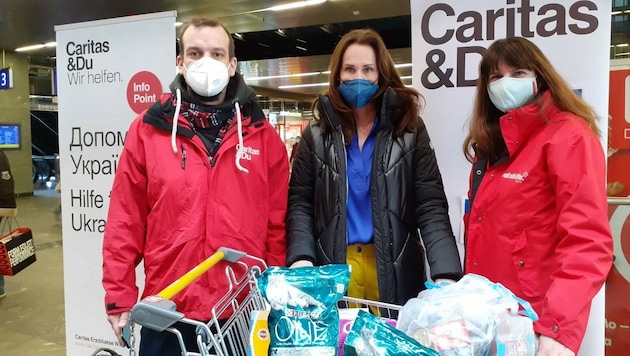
(407, 112)
(485, 134)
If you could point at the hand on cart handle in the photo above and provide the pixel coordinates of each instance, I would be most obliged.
(118, 321)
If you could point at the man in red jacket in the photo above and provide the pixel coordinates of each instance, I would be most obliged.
(199, 170)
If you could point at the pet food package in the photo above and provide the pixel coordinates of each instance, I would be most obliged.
(373, 336)
(304, 319)
(259, 337)
(346, 319)
(473, 317)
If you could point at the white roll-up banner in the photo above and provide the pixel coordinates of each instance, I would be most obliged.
(448, 39)
(108, 72)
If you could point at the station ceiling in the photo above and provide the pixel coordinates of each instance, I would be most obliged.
(308, 36)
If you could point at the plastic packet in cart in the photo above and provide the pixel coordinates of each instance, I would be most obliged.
(347, 316)
(372, 336)
(515, 336)
(304, 319)
(464, 318)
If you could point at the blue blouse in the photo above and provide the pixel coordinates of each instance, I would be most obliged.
(359, 210)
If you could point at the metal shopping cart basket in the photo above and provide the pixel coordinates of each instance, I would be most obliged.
(384, 310)
(226, 338)
(229, 337)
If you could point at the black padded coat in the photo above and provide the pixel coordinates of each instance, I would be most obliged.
(407, 196)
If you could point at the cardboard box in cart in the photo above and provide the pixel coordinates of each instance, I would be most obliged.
(17, 251)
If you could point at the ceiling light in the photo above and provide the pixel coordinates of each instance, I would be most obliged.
(50, 44)
(301, 48)
(280, 31)
(615, 13)
(294, 5)
(238, 35)
(29, 48)
(622, 45)
(300, 40)
(303, 85)
(403, 65)
(284, 76)
(406, 77)
(325, 29)
(177, 24)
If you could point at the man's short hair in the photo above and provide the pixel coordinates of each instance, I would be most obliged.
(204, 22)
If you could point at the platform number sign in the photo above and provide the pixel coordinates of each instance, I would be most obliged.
(6, 78)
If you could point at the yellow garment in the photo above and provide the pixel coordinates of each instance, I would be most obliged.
(363, 280)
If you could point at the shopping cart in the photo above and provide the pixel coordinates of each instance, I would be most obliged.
(227, 333)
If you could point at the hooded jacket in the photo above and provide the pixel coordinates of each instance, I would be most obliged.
(538, 222)
(175, 209)
(406, 193)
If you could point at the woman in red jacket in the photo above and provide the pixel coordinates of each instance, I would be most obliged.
(538, 220)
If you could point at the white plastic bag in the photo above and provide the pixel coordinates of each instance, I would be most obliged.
(465, 318)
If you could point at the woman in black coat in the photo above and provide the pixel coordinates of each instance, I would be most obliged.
(365, 183)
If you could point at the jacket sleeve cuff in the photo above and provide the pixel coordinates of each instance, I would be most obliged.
(552, 329)
(117, 307)
(294, 259)
(112, 309)
(452, 276)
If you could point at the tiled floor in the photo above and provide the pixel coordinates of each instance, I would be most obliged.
(32, 313)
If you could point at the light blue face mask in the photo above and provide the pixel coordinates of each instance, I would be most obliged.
(358, 92)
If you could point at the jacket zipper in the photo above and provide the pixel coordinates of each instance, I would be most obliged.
(183, 157)
(345, 207)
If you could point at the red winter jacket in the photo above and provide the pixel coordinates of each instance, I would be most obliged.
(175, 209)
(538, 221)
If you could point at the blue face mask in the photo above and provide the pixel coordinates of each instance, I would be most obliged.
(358, 92)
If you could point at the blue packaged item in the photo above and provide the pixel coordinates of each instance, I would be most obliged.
(373, 336)
(304, 319)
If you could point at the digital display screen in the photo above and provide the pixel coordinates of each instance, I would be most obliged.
(10, 137)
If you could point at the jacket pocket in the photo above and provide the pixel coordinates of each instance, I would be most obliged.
(527, 267)
(325, 244)
(322, 258)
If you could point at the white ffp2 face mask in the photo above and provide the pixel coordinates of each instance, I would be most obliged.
(206, 76)
(510, 93)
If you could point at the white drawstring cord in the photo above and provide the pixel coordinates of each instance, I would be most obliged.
(241, 148)
(178, 93)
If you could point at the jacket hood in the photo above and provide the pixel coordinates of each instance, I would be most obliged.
(165, 115)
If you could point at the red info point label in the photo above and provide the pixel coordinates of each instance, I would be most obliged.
(143, 90)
